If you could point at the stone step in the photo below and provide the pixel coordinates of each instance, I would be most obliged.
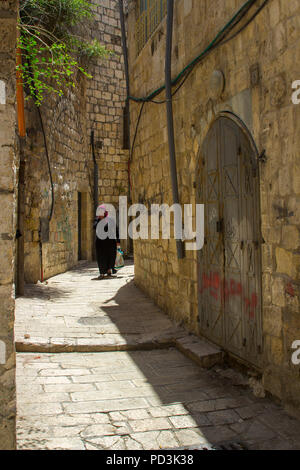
(199, 350)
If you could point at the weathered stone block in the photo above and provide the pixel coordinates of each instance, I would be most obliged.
(285, 262)
(7, 34)
(290, 237)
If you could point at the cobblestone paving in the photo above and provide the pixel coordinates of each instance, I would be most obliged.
(125, 399)
(139, 400)
(71, 310)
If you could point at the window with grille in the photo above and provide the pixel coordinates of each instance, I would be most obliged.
(150, 15)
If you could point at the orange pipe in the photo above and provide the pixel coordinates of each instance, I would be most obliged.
(20, 94)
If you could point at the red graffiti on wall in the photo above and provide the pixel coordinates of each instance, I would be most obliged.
(289, 289)
(221, 288)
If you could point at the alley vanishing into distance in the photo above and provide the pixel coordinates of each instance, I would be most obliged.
(99, 366)
(180, 115)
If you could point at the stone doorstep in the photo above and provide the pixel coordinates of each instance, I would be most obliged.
(200, 351)
(196, 349)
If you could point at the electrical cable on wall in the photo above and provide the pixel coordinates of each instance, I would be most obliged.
(96, 170)
(134, 139)
(51, 183)
(219, 40)
(126, 67)
(247, 23)
(47, 154)
(48, 163)
(52, 190)
(241, 13)
(127, 104)
(170, 118)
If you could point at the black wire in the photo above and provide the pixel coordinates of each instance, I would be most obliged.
(219, 42)
(45, 144)
(247, 23)
(192, 68)
(133, 142)
(181, 84)
(164, 101)
(189, 71)
(136, 129)
(224, 41)
(48, 162)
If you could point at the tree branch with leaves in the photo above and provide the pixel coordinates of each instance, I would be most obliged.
(52, 49)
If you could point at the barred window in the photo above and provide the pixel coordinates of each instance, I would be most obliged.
(151, 13)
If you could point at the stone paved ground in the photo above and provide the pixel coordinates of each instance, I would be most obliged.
(125, 399)
(71, 311)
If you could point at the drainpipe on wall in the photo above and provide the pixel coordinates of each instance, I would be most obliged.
(170, 121)
(126, 67)
(21, 182)
(127, 107)
(96, 194)
(96, 181)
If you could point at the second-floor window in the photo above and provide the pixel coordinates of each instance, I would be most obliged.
(151, 13)
(143, 5)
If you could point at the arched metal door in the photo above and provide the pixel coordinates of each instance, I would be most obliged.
(229, 265)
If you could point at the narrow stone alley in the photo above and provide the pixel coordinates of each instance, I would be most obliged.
(177, 122)
(99, 366)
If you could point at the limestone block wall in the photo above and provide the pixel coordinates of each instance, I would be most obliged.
(96, 104)
(259, 67)
(106, 94)
(8, 169)
(64, 120)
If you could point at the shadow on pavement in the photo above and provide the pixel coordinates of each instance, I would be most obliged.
(204, 406)
(208, 401)
(44, 292)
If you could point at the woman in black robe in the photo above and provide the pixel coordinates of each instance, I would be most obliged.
(106, 248)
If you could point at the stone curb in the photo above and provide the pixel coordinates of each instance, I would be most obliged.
(201, 352)
(88, 348)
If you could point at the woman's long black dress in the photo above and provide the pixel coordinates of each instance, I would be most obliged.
(106, 250)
